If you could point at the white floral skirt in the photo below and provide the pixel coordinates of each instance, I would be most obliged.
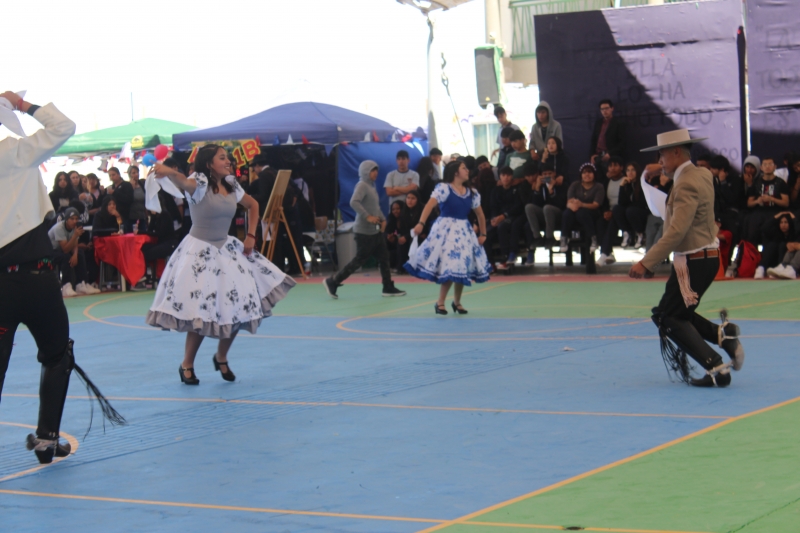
(450, 253)
(215, 292)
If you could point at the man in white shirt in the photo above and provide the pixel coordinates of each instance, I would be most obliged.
(402, 181)
(30, 291)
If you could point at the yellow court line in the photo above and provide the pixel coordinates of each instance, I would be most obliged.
(219, 507)
(72, 441)
(466, 518)
(763, 304)
(392, 406)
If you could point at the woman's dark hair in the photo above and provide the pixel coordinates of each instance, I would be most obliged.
(470, 162)
(636, 166)
(415, 194)
(450, 171)
(790, 236)
(559, 144)
(425, 170)
(202, 164)
(66, 192)
(402, 205)
(720, 162)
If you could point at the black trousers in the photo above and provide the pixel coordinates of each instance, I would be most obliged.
(690, 331)
(35, 300)
(71, 274)
(367, 246)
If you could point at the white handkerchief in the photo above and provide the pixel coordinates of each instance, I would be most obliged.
(656, 199)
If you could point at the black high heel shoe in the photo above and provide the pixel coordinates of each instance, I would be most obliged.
(191, 380)
(439, 310)
(458, 308)
(227, 376)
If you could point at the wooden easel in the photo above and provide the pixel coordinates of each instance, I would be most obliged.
(274, 216)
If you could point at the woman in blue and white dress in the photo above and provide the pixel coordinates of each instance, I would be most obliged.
(452, 253)
(214, 285)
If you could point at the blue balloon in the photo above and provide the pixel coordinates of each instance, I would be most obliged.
(149, 160)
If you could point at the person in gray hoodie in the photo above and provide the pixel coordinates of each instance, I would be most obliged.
(544, 128)
(368, 228)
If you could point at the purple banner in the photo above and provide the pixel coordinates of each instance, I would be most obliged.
(773, 56)
(664, 67)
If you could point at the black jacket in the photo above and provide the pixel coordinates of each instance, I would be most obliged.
(506, 202)
(123, 197)
(615, 137)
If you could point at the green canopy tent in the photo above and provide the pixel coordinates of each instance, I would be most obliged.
(142, 134)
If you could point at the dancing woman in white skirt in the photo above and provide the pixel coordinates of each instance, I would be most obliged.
(214, 285)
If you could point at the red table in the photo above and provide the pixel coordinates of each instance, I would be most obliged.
(124, 252)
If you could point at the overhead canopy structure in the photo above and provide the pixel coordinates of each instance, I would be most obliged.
(142, 134)
(318, 123)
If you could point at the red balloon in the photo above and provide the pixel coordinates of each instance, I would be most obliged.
(161, 152)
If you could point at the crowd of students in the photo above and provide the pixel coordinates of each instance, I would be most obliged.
(533, 195)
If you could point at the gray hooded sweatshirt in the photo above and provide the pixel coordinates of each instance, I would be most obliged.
(538, 142)
(365, 201)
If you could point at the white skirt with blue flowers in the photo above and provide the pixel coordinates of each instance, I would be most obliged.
(215, 292)
(450, 253)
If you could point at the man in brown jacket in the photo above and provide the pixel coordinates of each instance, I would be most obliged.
(690, 233)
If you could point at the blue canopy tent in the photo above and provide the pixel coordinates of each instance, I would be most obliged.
(319, 123)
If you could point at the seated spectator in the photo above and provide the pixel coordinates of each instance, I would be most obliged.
(505, 147)
(138, 213)
(107, 221)
(398, 235)
(69, 254)
(777, 236)
(164, 226)
(632, 211)
(75, 180)
(62, 193)
(554, 156)
(728, 189)
(122, 191)
(546, 203)
(517, 159)
(506, 211)
(399, 182)
(584, 199)
(608, 225)
(767, 197)
(414, 208)
(790, 265)
(794, 188)
(704, 161)
(543, 129)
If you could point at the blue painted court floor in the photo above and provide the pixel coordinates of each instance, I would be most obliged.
(356, 425)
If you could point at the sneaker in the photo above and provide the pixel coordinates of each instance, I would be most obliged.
(331, 287)
(639, 241)
(67, 291)
(606, 259)
(759, 273)
(563, 246)
(45, 449)
(85, 288)
(731, 271)
(501, 266)
(625, 239)
(512, 258)
(782, 272)
(593, 247)
(775, 272)
(390, 290)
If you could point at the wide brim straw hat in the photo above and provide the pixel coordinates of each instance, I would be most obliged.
(673, 138)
